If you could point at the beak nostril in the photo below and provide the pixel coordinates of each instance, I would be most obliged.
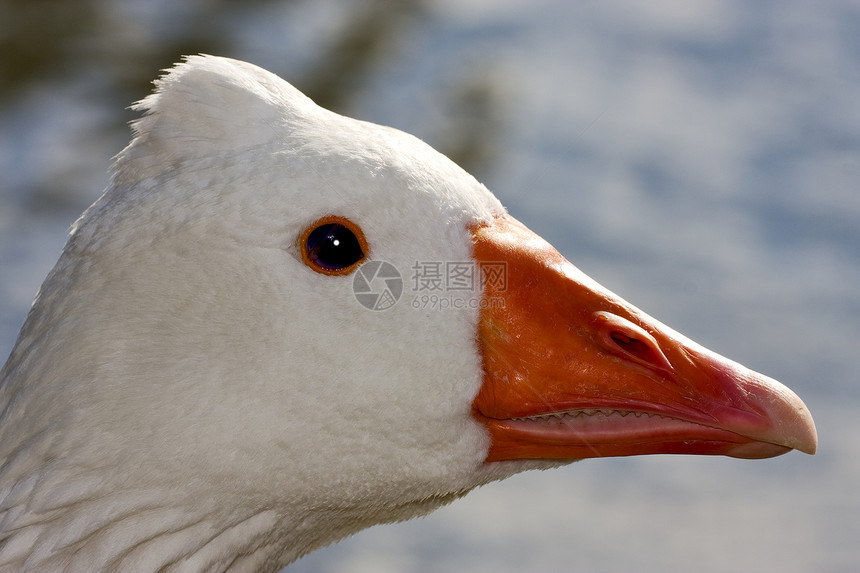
(627, 340)
(641, 350)
(629, 344)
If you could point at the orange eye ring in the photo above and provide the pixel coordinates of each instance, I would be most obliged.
(333, 245)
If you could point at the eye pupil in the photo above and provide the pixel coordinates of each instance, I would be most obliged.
(333, 247)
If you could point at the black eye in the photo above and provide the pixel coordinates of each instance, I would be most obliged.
(333, 246)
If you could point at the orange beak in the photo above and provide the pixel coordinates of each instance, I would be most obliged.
(572, 371)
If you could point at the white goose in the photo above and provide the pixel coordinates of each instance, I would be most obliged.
(197, 387)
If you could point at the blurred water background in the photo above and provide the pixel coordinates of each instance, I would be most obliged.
(700, 158)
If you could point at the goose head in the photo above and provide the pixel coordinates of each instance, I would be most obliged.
(279, 326)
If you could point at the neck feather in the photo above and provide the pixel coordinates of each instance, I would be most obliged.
(48, 524)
